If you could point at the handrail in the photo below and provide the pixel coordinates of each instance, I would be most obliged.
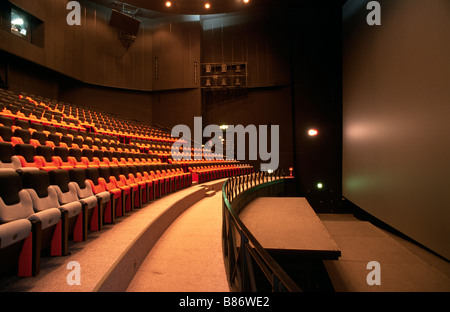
(240, 251)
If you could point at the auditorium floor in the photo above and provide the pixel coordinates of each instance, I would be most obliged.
(404, 266)
(188, 256)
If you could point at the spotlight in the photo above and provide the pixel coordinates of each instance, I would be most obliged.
(207, 5)
(246, 1)
(313, 132)
(319, 186)
(168, 4)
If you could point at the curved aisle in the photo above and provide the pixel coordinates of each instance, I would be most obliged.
(188, 256)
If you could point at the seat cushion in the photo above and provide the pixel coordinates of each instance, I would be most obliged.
(48, 217)
(73, 208)
(14, 231)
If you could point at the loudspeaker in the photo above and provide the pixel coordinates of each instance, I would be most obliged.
(124, 23)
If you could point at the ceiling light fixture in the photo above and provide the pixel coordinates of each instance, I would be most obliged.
(207, 5)
(168, 4)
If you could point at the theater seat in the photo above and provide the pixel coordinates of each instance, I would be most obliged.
(142, 175)
(15, 228)
(43, 196)
(111, 178)
(7, 157)
(44, 158)
(39, 138)
(128, 179)
(98, 186)
(6, 134)
(67, 194)
(19, 240)
(142, 197)
(76, 158)
(21, 136)
(61, 158)
(95, 203)
(26, 154)
(88, 158)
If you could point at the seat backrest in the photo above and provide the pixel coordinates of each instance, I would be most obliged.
(124, 170)
(37, 126)
(15, 203)
(24, 124)
(37, 180)
(60, 178)
(40, 136)
(78, 175)
(6, 152)
(61, 152)
(54, 138)
(98, 154)
(93, 175)
(89, 154)
(27, 151)
(76, 153)
(65, 190)
(50, 129)
(45, 151)
(67, 139)
(6, 133)
(78, 140)
(10, 186)
(6, 121)
(134, 170)
(115, 171)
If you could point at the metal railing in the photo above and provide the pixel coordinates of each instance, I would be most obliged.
(250, 268)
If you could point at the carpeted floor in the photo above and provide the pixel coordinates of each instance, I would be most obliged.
(403, 266)
(188, 256)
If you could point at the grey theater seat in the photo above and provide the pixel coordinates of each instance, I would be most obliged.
(95, 203)
(67, 194)
(44, 197)
(23, 232)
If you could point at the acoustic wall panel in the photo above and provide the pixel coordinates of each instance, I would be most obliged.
(396, 147)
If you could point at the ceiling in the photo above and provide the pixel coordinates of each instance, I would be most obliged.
(154, 8)
(158, 8)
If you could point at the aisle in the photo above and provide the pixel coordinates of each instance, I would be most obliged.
(188, 257)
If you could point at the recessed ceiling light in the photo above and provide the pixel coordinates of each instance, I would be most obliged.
(207, 5)
(168, 4)
(246, 1)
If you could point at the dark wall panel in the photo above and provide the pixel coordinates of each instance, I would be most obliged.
(171, 108)
(265, 106)
(176, 47)
(316, 51)
(130, 104)
(258, 39)
(91, 52)
(396, 105)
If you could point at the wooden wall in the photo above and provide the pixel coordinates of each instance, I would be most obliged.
(93, 53)
(256, 39)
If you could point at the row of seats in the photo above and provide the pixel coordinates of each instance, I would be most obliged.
(204, 171)
(36, 218)
(22, 131)
(76, 117)
(40, 211)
